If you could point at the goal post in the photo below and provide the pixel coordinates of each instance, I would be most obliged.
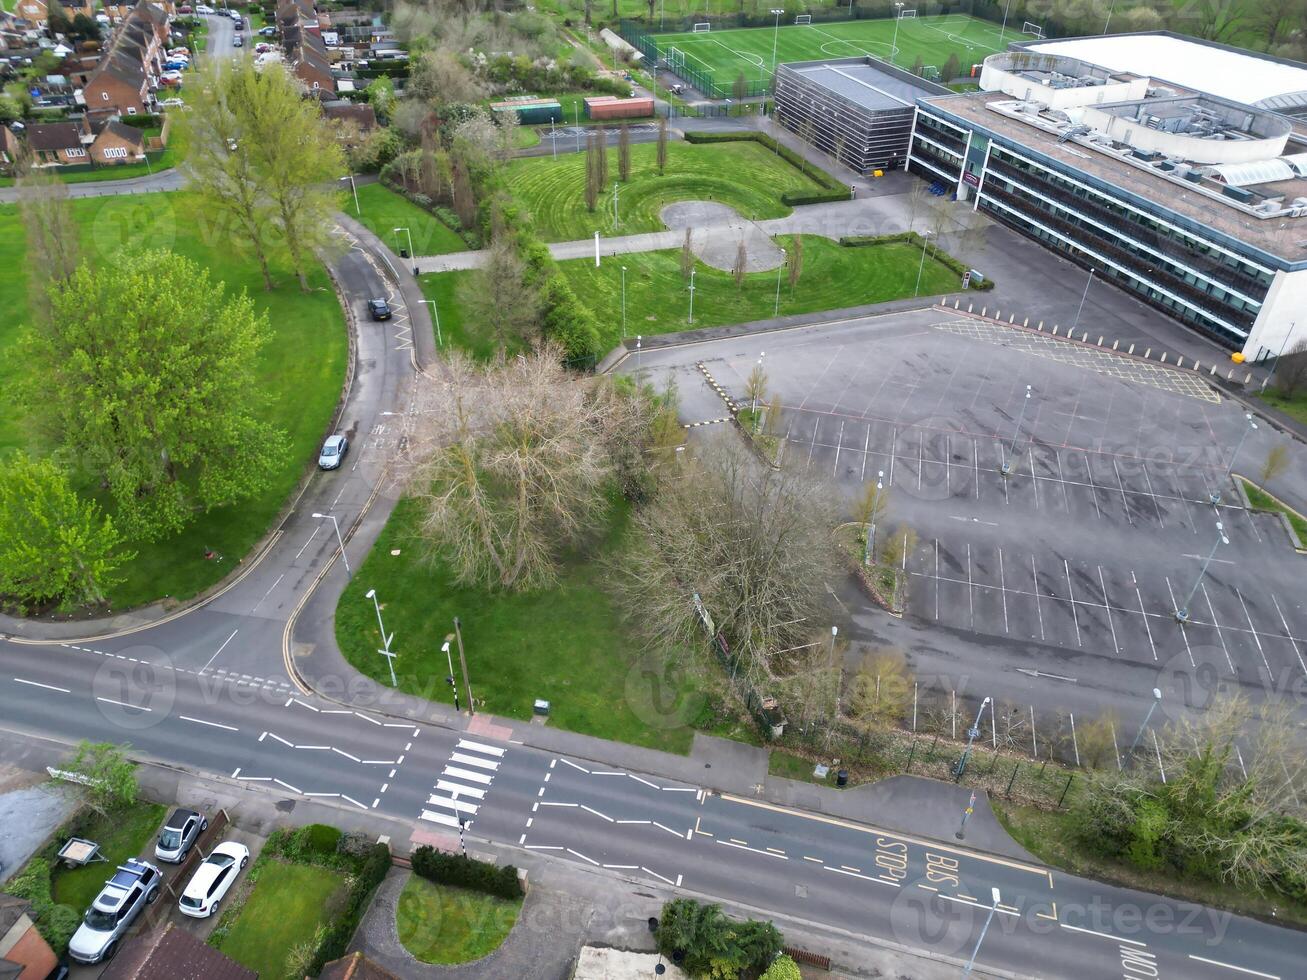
(674, 58)
(701, 28)
(908, 14)
(1034, 30)
(803, 18)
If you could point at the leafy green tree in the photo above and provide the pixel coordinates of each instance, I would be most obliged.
(713, 945)
(56, 547)
(145, 372)
(110, 777)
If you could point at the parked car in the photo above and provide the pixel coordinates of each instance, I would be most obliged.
(184, 9)
(379, 309)
(268, 31)
(133, 886)
(171, 79)
(213, 879)
(238, 42)
(333, 452)
(203, 8)
(172, 104)
(178, 834)
(175, 64)
(179, 50)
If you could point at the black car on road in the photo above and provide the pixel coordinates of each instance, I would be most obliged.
(379, 309)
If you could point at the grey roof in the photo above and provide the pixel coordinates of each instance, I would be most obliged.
(864, 84)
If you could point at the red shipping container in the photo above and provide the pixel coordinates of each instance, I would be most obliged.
(609, 107)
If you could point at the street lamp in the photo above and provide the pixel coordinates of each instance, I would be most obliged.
(775, 35)
(922, 264)
(1275, 363)
(339, 540)
(354, 188)
(616, 220)
(1182, 614)
(894, 45)
(869, 546)
(1215, 496)
(449, 678)
(1110, 7)
(1006, 468)
(639, 342)
(973, 733)
(411, 254)
(1082, 299)
(435, 314)
(966, 972)
(1157, 699)
(785, 257)
(385, 640)
(623, 301)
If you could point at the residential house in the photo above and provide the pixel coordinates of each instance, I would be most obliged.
(53, 144)
(355, 966)
(10, 148)
(124, 81)
(120, 11)
(352, 122)
(301, 40)
(118, 143)
(172, 953)
(24, 955)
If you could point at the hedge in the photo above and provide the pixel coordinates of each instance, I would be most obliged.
(835, 190)
(454, 869)
(961, 268)
(335, 941)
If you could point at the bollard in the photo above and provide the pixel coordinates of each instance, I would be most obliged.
(1026, 322)
(1163, 357)
(956, 303)
(1198, 365)
(1131, 350)
(983, 310)
(1180, 361)
(1085, 337)
(1229, 375)
(1011, 318)
(1041, 325)
(969, 307)
(1147, 353)
(1055, 330)
(1008, 791)
(1248, 378)
(1213, 370)
(1116, 344)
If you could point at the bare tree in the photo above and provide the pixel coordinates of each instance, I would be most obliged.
(624, 152)
(498, 296)
(510, 461)
(52, 235)
(662, 144)
(795, 260)
(752, 542)
(1276, 462)
(870, 510)
(881, 690)
(741, 264)
(440, 78)
(591, 171)
(687, 255)
(755, 385)
(601, 152)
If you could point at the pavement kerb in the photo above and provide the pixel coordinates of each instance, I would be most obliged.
(243, 568)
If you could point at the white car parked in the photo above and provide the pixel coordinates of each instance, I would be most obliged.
(213, 879)
(204, 8)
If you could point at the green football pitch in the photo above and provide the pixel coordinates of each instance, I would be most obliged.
(726, 54)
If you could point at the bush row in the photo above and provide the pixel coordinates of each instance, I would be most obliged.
(834, 190)
(336, 939)
(565, 318)
(454, 869)
(56, 923)
(961, 268)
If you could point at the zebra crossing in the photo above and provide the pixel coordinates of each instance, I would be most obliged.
(462, 785)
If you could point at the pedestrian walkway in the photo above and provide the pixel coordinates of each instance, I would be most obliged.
(461, 789)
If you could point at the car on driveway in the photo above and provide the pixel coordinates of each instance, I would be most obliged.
(238, 42)
(178, 835)
(133, 886)
(213, 879)
(172, 104)
(333, 452)
(378, 309)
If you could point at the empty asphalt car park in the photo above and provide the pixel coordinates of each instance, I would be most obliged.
(1069, 568)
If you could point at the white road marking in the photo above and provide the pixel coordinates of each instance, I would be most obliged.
(123, 704)
(1231, 966)
(316, 528)
(293, 789)
(219, 650)
(582, 857)
(48, 687)
(574, 766)
(658, 876)
(452, 804)
(442, 818)
(1102, 935)
(487, 749)
(476, 777)
(746, 847)
(460, 789)
(464, 759)
(211, 724)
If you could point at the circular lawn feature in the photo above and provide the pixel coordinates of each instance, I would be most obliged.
(443, 924)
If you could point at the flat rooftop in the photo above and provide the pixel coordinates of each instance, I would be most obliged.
(863, 84)
(1284, 237)
(1238, 75)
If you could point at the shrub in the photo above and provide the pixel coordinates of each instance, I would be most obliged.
(318, 838)
(58, 925)
(712, 945)
(335, 939)
(782, 968)
(33, 884)
(454, 869)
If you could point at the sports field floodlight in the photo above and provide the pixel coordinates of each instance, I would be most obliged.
(1182, 614)
(894, 45)
(775, 35)
(1215, 496)
(924, 235)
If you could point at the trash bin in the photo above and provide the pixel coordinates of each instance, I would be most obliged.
(403, 253)
(842, 778)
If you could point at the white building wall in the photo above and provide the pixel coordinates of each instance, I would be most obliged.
(1190, 148)
(998, 80)
(1285, 303)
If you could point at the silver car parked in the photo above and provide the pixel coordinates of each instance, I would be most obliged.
(133, 886)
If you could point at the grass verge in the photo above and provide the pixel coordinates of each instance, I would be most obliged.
(124, 834)
(1050, 837)
(744, 175)
(1261, 500)
(1295, 406)
(442, 924)
(565, 644)
(301, 371)
(287, 905)
(381, 211)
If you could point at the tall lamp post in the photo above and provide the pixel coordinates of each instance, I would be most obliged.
(413, 257)
(354, 188)
(449, 678)
(973, 733)
(1215, 496)
(1182, 614)
(339, 540)
(1157, 699)
(869, 546)
(894, 45)
(1006, 468)
(623, 301)
(966, 972)
(1083, 296)
(775, 35)
(785, 257)
(1276, 363)
(691, 295)
(385, 640)
(1003, 30)
(922, 264)
(435, 315)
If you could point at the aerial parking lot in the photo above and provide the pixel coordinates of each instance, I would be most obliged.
(1071, 567)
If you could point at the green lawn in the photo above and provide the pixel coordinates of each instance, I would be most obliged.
(125, 834)
(744, 175)
(1261, 500)
(381, 210)
(789, 766)
(832, 277)
(1291, 405)
(566, 644)
(286, 906)
(302, 369)
(725, 54)
(442, 924)
(442, 288)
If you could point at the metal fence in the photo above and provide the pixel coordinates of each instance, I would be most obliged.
(703, 81)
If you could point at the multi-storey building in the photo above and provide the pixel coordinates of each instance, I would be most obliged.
(1194, 202)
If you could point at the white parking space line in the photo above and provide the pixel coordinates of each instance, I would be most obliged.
(1040, 609)
(1002, 589)
(48, 687)
(1156, 506)
(1219, 634)
(1256, 639)
(1107, 604)
(1237, 969)
(1184, 633)
(1072, 596)
(1289, 633)
(1144, 613)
